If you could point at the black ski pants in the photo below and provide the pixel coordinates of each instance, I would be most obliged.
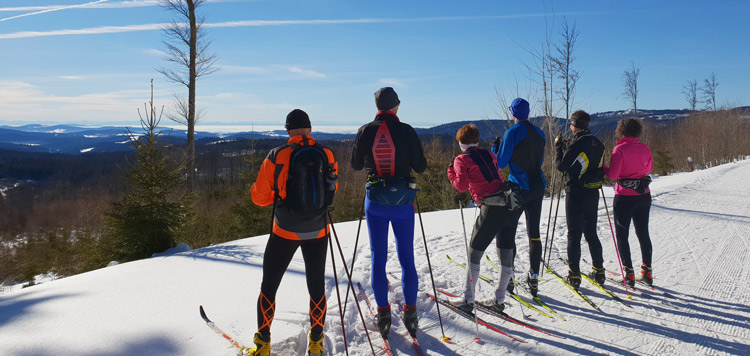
(278, 255)
(494, 222)
(637, 209)
(532, 210)
(581, 210)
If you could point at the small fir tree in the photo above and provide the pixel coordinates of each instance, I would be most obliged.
(151, 214)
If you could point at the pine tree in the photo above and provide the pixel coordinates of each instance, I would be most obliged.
(156, 207)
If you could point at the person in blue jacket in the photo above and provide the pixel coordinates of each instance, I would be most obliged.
(522, 149)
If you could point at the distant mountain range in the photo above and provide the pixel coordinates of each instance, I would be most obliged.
(71, 139)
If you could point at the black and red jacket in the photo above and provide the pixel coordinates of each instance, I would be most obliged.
(387, 147)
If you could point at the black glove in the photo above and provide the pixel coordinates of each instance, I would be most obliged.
(497, 141)
(451, 165)
(560, 142)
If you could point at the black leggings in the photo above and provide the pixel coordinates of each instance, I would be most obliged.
(533, 211)
(278, 255)
(581, 209)
(493, 222)
(636, 208)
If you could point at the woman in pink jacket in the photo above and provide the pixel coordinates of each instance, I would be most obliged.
(630, 165)
(476, 170)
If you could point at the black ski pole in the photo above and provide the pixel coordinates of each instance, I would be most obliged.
(349, 276)
(427, 253)
(549, 217)
(338, 295)
(356, 244)
(554, 222)
(468, 265)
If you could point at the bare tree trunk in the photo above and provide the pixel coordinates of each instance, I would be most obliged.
(194, 62)
(630, 80)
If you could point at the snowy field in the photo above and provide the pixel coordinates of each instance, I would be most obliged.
(700, 227)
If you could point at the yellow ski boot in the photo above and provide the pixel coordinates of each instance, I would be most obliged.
(315, 347)
(262, 346)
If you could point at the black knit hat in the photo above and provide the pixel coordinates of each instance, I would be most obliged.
(580, 119)
(297, 119)
(386, 98)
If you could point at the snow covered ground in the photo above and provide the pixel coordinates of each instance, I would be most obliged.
(700, 227)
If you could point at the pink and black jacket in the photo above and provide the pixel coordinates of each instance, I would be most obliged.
(476, 170)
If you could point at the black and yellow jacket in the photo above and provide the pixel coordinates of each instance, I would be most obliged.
(288, 223)
(582, 162)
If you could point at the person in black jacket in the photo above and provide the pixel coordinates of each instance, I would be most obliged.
(389, 150)
(582, 164)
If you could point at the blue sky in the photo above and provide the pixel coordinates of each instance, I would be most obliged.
(90, 62)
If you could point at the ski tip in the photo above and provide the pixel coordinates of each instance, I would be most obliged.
(203, 312)
(478, 341)
(447, 339)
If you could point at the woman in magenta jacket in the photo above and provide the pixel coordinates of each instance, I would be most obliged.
(630, 165)
(475, 169)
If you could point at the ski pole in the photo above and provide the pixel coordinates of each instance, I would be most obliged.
(427, 253)
(554, 222)
(549, 216)
(349, 276)
(338, 294)
(356, 244)
(468, 265)
(614, 240)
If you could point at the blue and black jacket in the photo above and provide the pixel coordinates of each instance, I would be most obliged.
(523, 151)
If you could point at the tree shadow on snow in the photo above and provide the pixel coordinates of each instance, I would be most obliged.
(157, 345)
(662, 331)
(736, 218)
(18, 305)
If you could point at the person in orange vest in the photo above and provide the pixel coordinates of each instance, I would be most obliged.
(299, 221)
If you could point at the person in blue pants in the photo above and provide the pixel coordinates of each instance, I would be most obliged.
(389, 150)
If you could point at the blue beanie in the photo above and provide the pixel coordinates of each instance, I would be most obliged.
(520, 109)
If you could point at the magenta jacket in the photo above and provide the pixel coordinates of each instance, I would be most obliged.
(476, 170)
(630, 159)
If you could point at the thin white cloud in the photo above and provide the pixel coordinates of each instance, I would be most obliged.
(306, 73)
(83, 31)
(24, 101)
(277, 70)
(391, 82)
(230, 69)
(154, 52)
(92, 5)
(71, 77)
(53, 8)
(260, 23)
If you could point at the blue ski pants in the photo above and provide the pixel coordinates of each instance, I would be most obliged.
(401, 218)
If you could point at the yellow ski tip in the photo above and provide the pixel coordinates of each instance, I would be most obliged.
(446, 339)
